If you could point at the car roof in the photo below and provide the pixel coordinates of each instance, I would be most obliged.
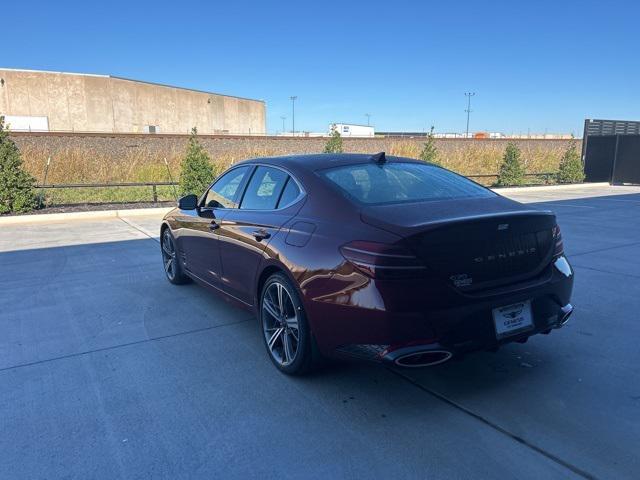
(318, 161)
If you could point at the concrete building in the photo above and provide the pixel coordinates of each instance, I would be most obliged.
(59, 101)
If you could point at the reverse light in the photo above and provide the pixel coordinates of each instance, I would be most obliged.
(558, 249)
(563, 266)
(383, 261)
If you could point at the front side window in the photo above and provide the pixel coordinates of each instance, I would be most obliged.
(264, 189)
(397, 182)
(223, 193)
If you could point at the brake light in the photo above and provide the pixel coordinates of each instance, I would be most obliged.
(383, 261)
(557, 241)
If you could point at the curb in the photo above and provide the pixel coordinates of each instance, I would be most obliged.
(71, 216)
(541, 188)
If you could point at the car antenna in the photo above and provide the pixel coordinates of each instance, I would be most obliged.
(379, 158)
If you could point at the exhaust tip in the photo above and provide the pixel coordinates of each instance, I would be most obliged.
(425, 358)
(567, 310)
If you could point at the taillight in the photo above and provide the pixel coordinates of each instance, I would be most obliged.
(557, 241)
(383, 261)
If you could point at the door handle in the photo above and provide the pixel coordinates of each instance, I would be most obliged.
(213, 225)
(261, 234)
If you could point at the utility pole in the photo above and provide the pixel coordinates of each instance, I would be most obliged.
(468, 110)
(293, 114)
(368, 115)
(283, 119)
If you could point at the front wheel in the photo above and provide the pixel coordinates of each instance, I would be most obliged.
(286, 332)
(172, 267)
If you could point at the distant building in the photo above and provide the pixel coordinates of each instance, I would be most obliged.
(302, 134)
(59, 101)
(540, 136)
(423, 133)
(448, 135)
(481, 135)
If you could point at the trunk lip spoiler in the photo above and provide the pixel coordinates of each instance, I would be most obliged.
(431, 225)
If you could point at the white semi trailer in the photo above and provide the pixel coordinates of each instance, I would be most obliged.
(349, 130)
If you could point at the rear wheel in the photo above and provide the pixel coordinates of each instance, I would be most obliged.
(286, 332)
(172, 267)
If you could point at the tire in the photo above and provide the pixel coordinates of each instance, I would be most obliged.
(172, 267)
(291, 354)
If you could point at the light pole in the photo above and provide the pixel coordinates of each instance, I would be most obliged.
(368, 115)
(468, 110)
(293, 114)
(283, 119)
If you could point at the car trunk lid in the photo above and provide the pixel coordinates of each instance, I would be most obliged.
(474, 244)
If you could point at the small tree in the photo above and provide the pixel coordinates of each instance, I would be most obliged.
(571, 168)
(511, 170)
(429, 151)
(334, 144)
(196, 170)
(17, 192)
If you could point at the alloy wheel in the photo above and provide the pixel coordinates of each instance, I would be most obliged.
(168, 255)
(280, 324)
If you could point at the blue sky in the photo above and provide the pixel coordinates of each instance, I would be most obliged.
(536, 65)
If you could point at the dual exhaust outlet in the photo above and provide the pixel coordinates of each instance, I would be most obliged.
(416, 356)
(565, 313)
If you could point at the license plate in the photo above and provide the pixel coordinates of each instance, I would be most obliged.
(513, 319)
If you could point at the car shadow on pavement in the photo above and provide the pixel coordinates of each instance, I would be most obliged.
(73, 299)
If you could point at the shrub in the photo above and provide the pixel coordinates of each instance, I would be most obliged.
(334, 144)
(17, 192)
(429, 151)
(571, 168)
(196, 172)
(511, 170)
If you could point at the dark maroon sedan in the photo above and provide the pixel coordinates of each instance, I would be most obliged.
(374, 257)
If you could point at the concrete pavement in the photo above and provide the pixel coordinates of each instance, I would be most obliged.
(108, 371)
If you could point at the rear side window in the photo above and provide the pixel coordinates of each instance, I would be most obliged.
(398, 182)
(289, 194)
(264, 189)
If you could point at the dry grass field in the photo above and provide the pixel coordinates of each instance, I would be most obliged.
(145, 163)
(484, 158)
(78, 166)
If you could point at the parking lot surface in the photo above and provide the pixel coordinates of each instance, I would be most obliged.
(108, 371)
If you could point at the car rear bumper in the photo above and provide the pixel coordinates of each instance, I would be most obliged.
(375, 321)
(419, 354)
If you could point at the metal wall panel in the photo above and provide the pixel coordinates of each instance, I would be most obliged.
(598, 159)
(611, 151)
(595, 127)
(627, 160)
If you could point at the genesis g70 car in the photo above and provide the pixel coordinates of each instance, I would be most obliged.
(370, 256)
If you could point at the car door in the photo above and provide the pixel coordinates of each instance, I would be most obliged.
(269, 200)
(199, 238)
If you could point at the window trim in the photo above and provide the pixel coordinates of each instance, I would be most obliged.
(284, 187)
(288, 173)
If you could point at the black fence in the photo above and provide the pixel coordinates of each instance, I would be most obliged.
(611, 151)
(151, 186)
(531, 179)
(153, 194)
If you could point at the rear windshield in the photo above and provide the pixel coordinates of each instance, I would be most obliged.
(400, 182)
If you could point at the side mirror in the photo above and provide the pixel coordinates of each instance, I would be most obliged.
(188, 202)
